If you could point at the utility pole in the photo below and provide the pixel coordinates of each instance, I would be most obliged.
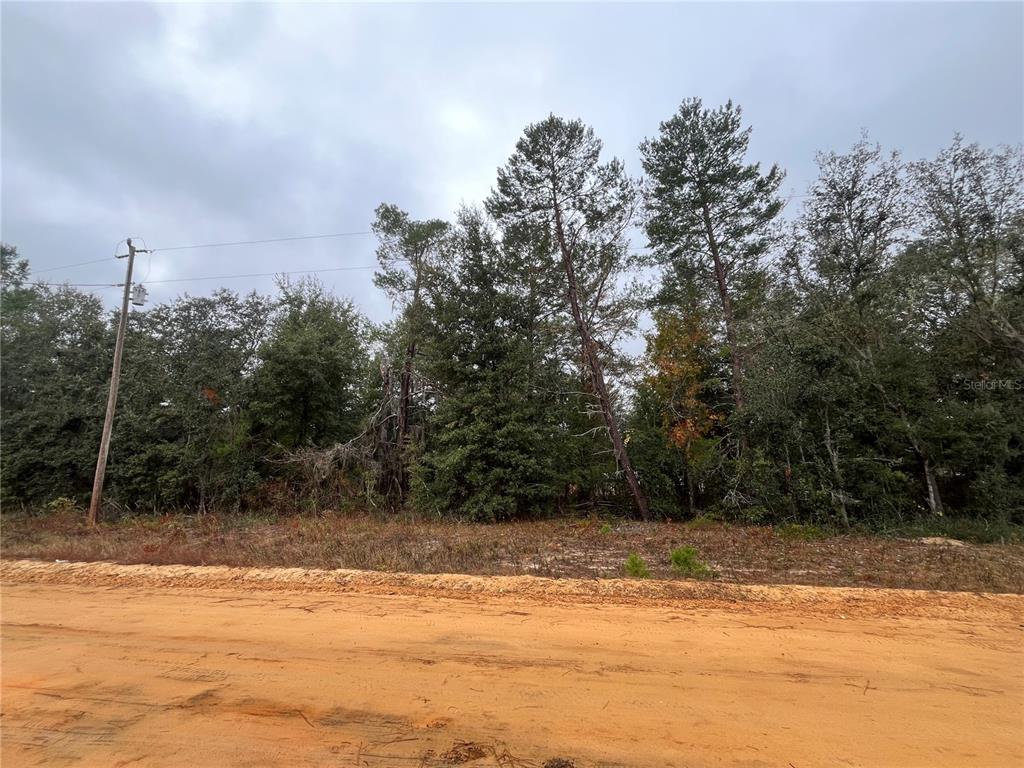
(115, 377)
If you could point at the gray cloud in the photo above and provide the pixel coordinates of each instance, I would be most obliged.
(199, 123)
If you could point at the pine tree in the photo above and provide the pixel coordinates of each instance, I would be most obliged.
(555, 187)
(492, 448)
(711, 212)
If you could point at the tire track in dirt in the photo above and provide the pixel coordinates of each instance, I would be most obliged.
(179, 667)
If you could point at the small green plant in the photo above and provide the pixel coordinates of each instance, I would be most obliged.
(800, 531)
(685, 562)
(636, 567)
(62, 504)
(605, 529)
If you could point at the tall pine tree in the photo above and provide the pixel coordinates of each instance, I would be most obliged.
(492, 452)
(709, 211)
(579, 208)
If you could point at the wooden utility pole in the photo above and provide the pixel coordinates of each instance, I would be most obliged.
(115, 377)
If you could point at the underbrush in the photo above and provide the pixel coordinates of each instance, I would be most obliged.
(962, 529)
(563, 547)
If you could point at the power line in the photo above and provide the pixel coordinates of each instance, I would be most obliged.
(75, 285)
(206, 245)
(259, 242)
(211, 277)
(69, 266)
(261, 274)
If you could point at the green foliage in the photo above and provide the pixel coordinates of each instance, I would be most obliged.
(686, 562)
(660, 464)
(182, 435)
(872, 380)
(698, 169)
(605, 529)
(636, 567)
(196, 377)
(308, 387)
(56, 351)
(62, 505)
(556, 195)
(490, 455)
(710, 222)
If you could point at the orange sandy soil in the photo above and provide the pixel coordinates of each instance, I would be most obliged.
(114, 665)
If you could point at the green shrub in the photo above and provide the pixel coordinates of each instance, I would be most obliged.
(62, 504)
(800, 531)
(605, 529)
(636, 567)
(686, 563)
(738, 514)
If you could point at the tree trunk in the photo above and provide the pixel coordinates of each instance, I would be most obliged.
(386, 447)
(597, 374)
(934, 500)
(788, 479)
(735, 359)
(689, 489)
(404, 406)
(931, 484)
(833, 454)
(405, 387)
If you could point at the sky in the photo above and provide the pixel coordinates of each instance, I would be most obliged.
(183, 124)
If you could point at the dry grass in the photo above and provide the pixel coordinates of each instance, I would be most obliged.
(558, 548)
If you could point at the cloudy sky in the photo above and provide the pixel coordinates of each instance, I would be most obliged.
(190, 124)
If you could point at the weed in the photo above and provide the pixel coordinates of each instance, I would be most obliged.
(686, 563)
(605, 529)
(636, 567)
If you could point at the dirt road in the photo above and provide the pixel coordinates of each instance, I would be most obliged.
(139, 666)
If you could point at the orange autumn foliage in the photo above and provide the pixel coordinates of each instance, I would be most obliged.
(681, 351)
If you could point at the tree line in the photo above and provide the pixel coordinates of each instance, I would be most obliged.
(859, 362)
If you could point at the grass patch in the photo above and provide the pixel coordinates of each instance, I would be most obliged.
(685, 562)
(636, 567)
(605, 529)
(560, 548)
(974, 531)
